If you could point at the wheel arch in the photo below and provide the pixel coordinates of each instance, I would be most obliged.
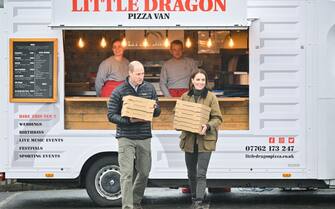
(90, 161)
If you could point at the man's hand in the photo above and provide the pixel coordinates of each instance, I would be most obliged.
(203, 130)
(136, 120)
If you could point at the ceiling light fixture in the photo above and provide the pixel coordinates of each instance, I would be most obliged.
(209, 41)
(166, 42)
(145, 41)
(188, 43)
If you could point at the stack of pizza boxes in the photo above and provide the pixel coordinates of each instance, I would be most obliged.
(138, 107)
(190, 116)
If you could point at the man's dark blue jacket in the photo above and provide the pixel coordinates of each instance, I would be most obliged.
(124, 128)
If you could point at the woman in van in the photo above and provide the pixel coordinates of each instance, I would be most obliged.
(199, 147)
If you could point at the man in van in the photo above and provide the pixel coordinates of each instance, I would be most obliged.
(112, 71)
(134, 136)
(176, 72)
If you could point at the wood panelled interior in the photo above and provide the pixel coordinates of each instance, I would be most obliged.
(93, 115)
(78, 71)
(87, 115)
(235, 115)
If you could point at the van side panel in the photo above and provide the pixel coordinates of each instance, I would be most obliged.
(325, 77)
(276, 141)
(278, 72)
(34, 150)
(3, 92)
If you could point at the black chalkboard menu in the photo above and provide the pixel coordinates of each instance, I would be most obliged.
(33, 70)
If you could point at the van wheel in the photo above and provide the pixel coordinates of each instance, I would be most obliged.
(103, 182)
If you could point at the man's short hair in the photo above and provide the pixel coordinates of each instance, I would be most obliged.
(135, 65)
(177, 42)
(115, 40)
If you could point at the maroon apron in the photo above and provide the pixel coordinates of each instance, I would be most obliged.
(177, 92)
(108, 87)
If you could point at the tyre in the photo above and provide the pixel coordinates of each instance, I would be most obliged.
(103, 182)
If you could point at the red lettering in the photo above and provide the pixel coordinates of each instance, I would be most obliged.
(48, 116)
(96, 5)
(86, 6)
(24, 116)
(109, 6)
(179, 5)
(165, 6)
(188, 6)
(202, 5)
(75, 6)
(119, 7)
(147, 7)
(221, 5)
(37, 116)
(132, 5)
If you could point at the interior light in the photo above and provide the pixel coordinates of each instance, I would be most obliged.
(209, 41)
(231, 42)
(145, 41)
(188, 43)
(103, 42)
(124, 40)
(166, 42)
(81, 43)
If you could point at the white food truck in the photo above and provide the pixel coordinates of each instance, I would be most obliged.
(289, 141)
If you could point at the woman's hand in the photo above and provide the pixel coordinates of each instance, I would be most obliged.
(203, 130)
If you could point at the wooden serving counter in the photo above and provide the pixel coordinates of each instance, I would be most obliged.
(91, 113)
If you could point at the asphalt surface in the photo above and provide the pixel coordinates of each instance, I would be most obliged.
(163, 198)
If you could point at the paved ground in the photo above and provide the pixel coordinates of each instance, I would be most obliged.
(173, 199)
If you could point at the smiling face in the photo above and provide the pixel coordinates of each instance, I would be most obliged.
(199, 81)
(118, 49)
